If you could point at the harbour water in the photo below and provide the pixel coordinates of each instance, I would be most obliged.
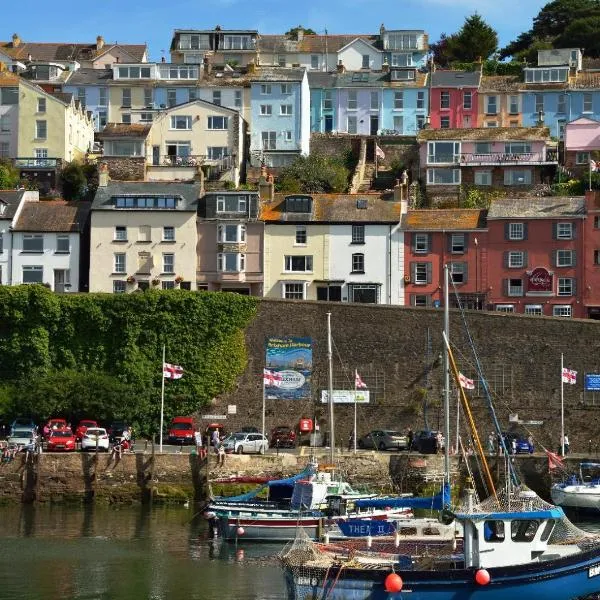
(131, 553)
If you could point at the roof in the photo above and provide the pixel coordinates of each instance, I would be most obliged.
(12, 199)
(485, 134)
(546, 207)
(315, 44)
(87, 76)
(363, 41)
(277, 74)
(586, 80)
(456, 219)
(64, 97)
(189, 192)
(53, 215)
(499, 83)
(8, 79)
(319, 79)
(126, 130)
(336, 208)
(460, 79)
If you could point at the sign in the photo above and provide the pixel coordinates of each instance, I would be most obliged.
(232, 409)
(214, 417)
(539, 282)
(364, 527)
(290, 360)
(346, 396)
(592, 382)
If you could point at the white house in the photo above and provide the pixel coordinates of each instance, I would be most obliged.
(360, 54)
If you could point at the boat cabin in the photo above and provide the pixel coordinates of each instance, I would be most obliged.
(312, 494)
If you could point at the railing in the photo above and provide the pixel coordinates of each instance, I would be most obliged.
(37, 163)
(515, 290)
(509, 157)
(223, 164)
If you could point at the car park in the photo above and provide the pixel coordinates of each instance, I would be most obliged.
(282, 437)
(384, 439)
(239, 443)
(61, 440)
(95, 437)
(83, 426)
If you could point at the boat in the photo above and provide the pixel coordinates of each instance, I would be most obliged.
(581, 491)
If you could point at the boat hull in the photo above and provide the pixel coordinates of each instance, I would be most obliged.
(577, 496)
(559, 579)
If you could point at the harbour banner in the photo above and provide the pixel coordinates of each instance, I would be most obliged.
(346, 396)
(288, 364)
(592, 382)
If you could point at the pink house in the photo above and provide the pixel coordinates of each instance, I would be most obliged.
(582, 142)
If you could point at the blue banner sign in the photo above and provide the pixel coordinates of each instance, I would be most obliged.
(288, 369)
(592, 382)
(364, 527)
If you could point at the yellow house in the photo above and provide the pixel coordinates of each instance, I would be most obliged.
(500, 102)
(143, 235)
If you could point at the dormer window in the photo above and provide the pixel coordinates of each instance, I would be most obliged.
(298, 204)
(545, 75)
(403, 75)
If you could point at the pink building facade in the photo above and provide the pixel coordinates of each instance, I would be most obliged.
(582, 144)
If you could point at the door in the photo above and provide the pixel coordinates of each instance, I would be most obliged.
(328, 123)
(374, 124)
(156, 155)
(60, 280)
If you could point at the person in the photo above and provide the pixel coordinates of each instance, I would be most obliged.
(566, 443)
(351, 441)
(513, 446)
(491, 446)
(530, 443)
(198, 440)
(411, 437)
(221, 455)
(214, 439)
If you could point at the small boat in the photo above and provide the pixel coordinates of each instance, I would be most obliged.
(581, 491)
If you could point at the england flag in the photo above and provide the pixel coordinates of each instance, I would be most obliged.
(271, 378)
(569, 376)
(172, 371)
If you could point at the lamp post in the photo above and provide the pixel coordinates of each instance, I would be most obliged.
(476, 242)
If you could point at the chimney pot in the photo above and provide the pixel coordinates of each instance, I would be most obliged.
(16, 40)
(300, 34)
(99, 42)
(103, 177)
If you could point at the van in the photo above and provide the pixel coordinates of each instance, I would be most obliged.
(181, 431)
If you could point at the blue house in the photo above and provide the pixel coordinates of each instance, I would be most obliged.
(323, 101)
(90, 87)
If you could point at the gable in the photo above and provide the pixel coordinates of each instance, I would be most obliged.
(359, 45)
(114, 54)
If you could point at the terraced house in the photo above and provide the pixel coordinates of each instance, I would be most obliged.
(499, 102)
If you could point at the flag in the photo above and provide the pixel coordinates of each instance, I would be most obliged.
(593, 166)
(465, 382)
(569, 376)
(379, 153)
(554, 460)
(272, 378)
(172, 371)
(358, 382)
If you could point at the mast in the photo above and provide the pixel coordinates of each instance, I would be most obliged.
(446, 379)
(562, 406)
(330, 392)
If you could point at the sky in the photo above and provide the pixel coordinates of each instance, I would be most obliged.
(153, 21)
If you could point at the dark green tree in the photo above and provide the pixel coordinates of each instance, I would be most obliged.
(475, 39)
(9, 175)
(293, 32)
(582, 33)
(74, 181)
(314, 174)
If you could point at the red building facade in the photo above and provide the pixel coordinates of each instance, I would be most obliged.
(590, 291)
(453, 100)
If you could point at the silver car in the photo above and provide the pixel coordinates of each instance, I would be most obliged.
(22, 437)
(246, 442)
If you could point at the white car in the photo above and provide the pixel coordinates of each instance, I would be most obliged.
(22, 437)
(93, 436)
(246, 442)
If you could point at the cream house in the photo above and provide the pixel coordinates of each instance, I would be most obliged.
(143, 235)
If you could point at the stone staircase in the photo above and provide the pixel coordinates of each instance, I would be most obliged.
(367, 179)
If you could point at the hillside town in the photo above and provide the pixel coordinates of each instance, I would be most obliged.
(190, 166)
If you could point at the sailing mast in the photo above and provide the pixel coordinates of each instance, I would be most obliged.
(446, 379)
(330, 392)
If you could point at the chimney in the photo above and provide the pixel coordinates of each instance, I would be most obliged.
(300, 33)
(163, 60)
(266, 187)
(99, 43)
(340, 67)
(29, 57)
(16, 40)
(103, 177)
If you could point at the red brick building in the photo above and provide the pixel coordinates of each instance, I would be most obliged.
(590, 290)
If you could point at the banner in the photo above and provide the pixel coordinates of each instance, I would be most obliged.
(592, 382)
(289, 364)
(346, 396)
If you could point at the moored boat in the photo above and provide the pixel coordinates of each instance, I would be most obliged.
(580, 491)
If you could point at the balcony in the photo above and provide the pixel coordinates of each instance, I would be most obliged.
(225, 163)
(36, 163)
(509, 158)
(231, 276)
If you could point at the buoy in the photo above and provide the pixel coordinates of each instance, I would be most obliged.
(482, 577)
(393, 583)
(240, 531)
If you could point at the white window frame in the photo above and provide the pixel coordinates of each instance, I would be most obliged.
(420, 273)
(286, 89)
(314, 61)
(265, 89)
(374, 100)
(562, 310)
(120, 262)
(506, 308)
(564, 257)
(516, 287)
(352, 103)
(239, 260)
(483, 177)
(444, 100)
(420, 100)
(168, 262)
(582, 158)
(224, 230)
(269, 140)
(168, 233)
(36, 248)
(41, 129)
(467, 105)
(398, 100)
(222, 202)
(217, 97)
(435, 158)
(286, 110)
(266, 110)
(181, 122)
(491, 105)
(564, 286)
(513, 105)
(120, 234)
(431, 176)
(458, 243)
(119, 286)
(61, 247)
(535, 310)
(564, 231)
(41, 104)
(516, 259)
(214, 120)
(516, 231)
(421, 243)
(31, 269)
(301, 238)
(510, 175)
(293, 290)
(289, 259)
(588, 102)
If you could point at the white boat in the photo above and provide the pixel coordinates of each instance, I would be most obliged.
(579, 491)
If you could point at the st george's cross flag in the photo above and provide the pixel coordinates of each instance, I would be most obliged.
(569, 376)
(465, 382)
(358, 382)
(172, 371)
(272, 378)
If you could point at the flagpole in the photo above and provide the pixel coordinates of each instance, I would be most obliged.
(457, 418)
(562, 406)
(162, 397)
(263, 408)
(590, 188)
(355, 373)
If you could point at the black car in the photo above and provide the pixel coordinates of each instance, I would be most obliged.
(115, 430)
(425, 442)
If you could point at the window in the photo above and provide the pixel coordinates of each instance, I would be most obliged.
(265, 89)
(507, 308)
(457, 243)
(493, 531)
(515, 287)
(491, 123)
(421, 273)
(491, 107)
(41, 105)
(269, 140)
(358, 234)
(217, 152)
(327, 100)
(168, 234)
(352, 125)
(102, 119)
(168, 265)
(146, 117)
(398, 124)
(398, 100)
(597, 257)
(358, 263)
(445, 100)
(63, 244)
(565, 286)
(216, 97)
(374, 101)
(422, 300)
(535, 75)
(564, 258)
(120, 263)
(301, 235)
(231, 262)
(293, 291)
(483, 178)
(119, 286)
(33, 242)
(9, 96)
(286, 88)
(467, 100)
(281, 60)
(539, 103)
(298, 263)
(443, 176)
(366, 63)
(41, 153)
(445, 123)
(33, 274)
(120, 233)
(123, 148)
(126, 97)
(352, 100)
(330, 293)
(420, 99)
(134, 73)
(517, 148)
(561, 310)
(582, 158)
(216, 122)
(420, 243)
(534, 310)
(266, 110)
(402, 60)
(458, 272)
(237, 98)
(443, 152)
(314, 61)
(181, 122)
(587, 102)
(518, 177)
(513, 105)
(564, 231)
(285, 110)
(231, 204)
(367, 293)
(40, 130)
(148, 100)
(4, 123)
(516, 231)
(167, 285)
(232, 234)
(420, 121)
(4, 149)
(561, 105)
(515, 259)
(126, 118)
(171, 97)
(237, 42)
(288, 135)
(102, 96)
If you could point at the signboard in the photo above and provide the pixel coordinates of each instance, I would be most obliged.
(232, 409)
(346, 396)
(289, 362)
(214, 417)
(365, 527)
(592, 382)
(539, 282)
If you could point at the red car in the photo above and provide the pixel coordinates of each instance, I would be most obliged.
(53, 425)
(283, 437)
(82, 427)
(61, 440)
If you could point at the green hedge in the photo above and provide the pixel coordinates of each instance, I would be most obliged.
(99, 355)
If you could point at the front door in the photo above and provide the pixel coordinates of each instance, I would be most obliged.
(60, 280)
(374, 124)
(328, 123)
(156, 155)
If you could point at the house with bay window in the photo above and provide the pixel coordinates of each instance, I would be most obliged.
(143, 235)
(230, 243)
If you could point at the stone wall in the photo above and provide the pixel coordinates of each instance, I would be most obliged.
(126, 168)
(332, 144)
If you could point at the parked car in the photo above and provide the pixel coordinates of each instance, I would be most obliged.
(22, 423)
(384, 439)
(82, 426)
(57, 423)
(181, 431)
(115, 431)
(283, 437)
(522, 447)
(61, 439)
(246, 442)
(22, 437)
(95, 437)
(425, 442)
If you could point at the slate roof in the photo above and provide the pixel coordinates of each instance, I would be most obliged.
(485, 133)
(87, 76)
(319, 79)
(12, 198)
(53, 215)
(125, 130)
(62, 96)
(546, 207)
(444, 219)
(449, 79)
(500, 84)
(190, 192)
(277, 74)
(315, 44)
(336, 208)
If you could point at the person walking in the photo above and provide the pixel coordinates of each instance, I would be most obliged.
(214, 439)
(513, 446)
(221, 451)
(491, 445)
(566, 443)
(198, 440)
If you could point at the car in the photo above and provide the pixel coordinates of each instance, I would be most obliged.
(22, 436)
(61, 440)
(246, 442)
(95, 437)
(425, 441)
(181, 431)
(115, 430)
(522, 446)
(384, 439)
(82, 426)
(22, 423)
(283, 437)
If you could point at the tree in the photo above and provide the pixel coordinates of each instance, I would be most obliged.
(293, 32)
(315, 173)
(74, 181)
(582, 33)
(440, 50)
(9, 176)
